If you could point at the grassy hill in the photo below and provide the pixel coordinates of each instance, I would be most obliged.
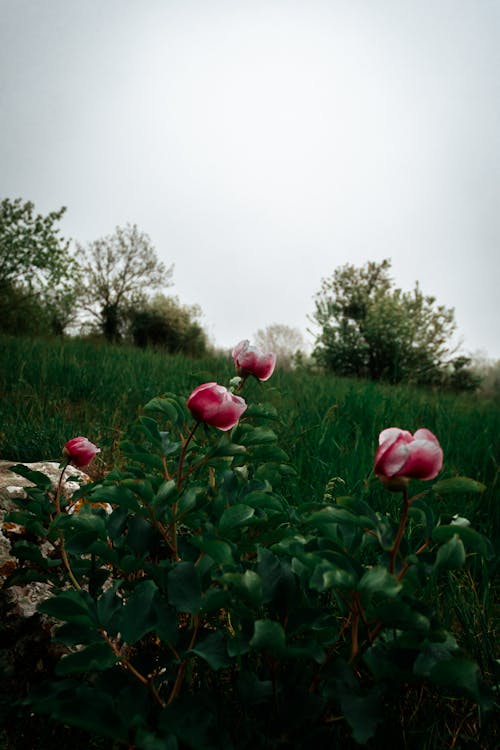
(54, 390)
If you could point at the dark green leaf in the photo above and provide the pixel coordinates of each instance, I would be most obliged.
(378, 580)
(93, 658)
(451, 554)
(458, 484)
(257, 436)
(115, 495)
(459, 675)
(184, 588)
(138, 616)
(473, 540)
(72, 606)
(213, 650)
(235, 516)
(40, 480)
(218, 550)
(363, 713)
(268, 635)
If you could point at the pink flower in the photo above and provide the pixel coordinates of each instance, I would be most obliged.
(402, 456)
(215, 405)
(80, 451)
(251, 361)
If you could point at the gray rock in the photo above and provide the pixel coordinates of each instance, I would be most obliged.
(24, 599)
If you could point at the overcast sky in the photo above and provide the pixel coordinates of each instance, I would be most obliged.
(261, 144)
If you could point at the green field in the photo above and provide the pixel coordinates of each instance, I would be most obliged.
(51, 391)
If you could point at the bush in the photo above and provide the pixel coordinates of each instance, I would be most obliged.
(167, 324)
(196, 607)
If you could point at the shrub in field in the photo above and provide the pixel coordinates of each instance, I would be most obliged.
(206, 611)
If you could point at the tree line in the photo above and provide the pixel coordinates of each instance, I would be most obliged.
(114, 287)
(110, 287)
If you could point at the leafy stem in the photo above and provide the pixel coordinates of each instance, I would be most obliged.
(402, 525)
(62, 549)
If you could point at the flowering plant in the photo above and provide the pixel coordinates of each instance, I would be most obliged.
(193, 606)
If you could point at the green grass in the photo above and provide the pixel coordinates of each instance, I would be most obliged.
(54, 390)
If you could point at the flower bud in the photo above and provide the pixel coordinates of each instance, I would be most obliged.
(251, 361)
(79, 451)
(215, 405)
(402, 456)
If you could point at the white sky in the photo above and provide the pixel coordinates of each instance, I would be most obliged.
(261, 144)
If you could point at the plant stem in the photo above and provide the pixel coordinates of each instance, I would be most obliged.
(400, 532)
(183, 456)
(62, 550)
(125, 663)
(182, 667)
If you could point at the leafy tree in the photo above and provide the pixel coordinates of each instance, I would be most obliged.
(165, 322)
(36, 269)
(285, 341)
(371, 329)
(117, 272)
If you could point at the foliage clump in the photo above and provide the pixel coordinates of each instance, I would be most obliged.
(195, 606)
(369, 328)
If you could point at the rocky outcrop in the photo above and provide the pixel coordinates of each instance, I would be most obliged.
(24, 599)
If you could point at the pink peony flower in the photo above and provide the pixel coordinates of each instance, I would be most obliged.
(251, 361)
(215, 405)
(80, 451)
(402, 456)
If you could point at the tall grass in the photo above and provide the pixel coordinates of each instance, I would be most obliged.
(53, 390)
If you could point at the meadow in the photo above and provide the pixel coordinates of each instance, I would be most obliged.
(51, 391)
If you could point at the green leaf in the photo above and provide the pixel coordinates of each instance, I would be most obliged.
(94, 658)
(248, 584)
(24, 550)
(80, 706)
(257, 436)
(268, 635)
(235, 516)
(327, 576)
(458, 674)
(378, 580)
(458, 484)
(165, 406)
(72, 606)
(213, 650)
(264, 500)
(184, 588)
(218, 550)
(145, 740)
(115, 495)
(398, 614)
(434, 652)
(334, 514)
(473, 540)
(138, 616)
(72, 635)
(226, 447)
(40, 480)
(363, 713)
(166, 620)
(265, 411)
(451, 554)
(150, 427)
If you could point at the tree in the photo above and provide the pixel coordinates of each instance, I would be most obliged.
(371, 329)
(286, 342)
(164, 322)
(36, 267)
(117, 272)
